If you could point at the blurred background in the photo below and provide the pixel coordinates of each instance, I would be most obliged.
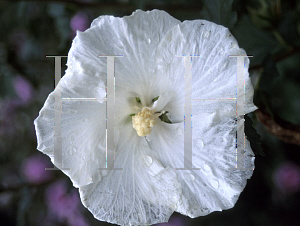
(29, 30)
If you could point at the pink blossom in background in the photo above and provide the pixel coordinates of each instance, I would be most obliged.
(23, 88)
(64, 206)
(287, 178)
(79, 22)
(34, 171)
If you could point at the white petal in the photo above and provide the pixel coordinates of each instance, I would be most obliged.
(144, 192)
(85, 77)
(82, 130)
(134, 37)
(215, 186)
(213, 73)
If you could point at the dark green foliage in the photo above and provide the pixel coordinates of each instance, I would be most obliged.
(220, 12)
(255, 41)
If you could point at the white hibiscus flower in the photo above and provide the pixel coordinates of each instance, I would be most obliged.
(149, 146)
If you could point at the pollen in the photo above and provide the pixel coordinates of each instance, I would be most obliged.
(143, 121)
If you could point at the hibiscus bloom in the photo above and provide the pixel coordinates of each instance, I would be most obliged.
(146, 185)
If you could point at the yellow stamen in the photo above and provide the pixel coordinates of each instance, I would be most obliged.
(143, 121)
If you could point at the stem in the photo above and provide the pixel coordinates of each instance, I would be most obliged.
(283, 130)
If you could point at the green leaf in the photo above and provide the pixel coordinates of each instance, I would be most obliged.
(219, 11)
(279, 89)
(132, 115)
(253, 137)
(138, 100)
(255, 41)
(165, 118)
(155, 99)
(289, 67)
(266, 14)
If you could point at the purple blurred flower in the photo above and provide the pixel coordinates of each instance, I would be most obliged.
(79, 22)
(23, 88)
(77, 220)
(174, 221)
(66, 207)
(287, 178)
(34, 169)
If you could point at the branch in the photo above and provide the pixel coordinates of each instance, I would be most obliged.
(283, 130)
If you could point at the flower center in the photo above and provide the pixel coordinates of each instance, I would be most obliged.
(143, 121)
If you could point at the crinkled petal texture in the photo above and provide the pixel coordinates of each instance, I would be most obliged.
(81, 142)
(144, 192)
(214, 186)
(149, 188)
